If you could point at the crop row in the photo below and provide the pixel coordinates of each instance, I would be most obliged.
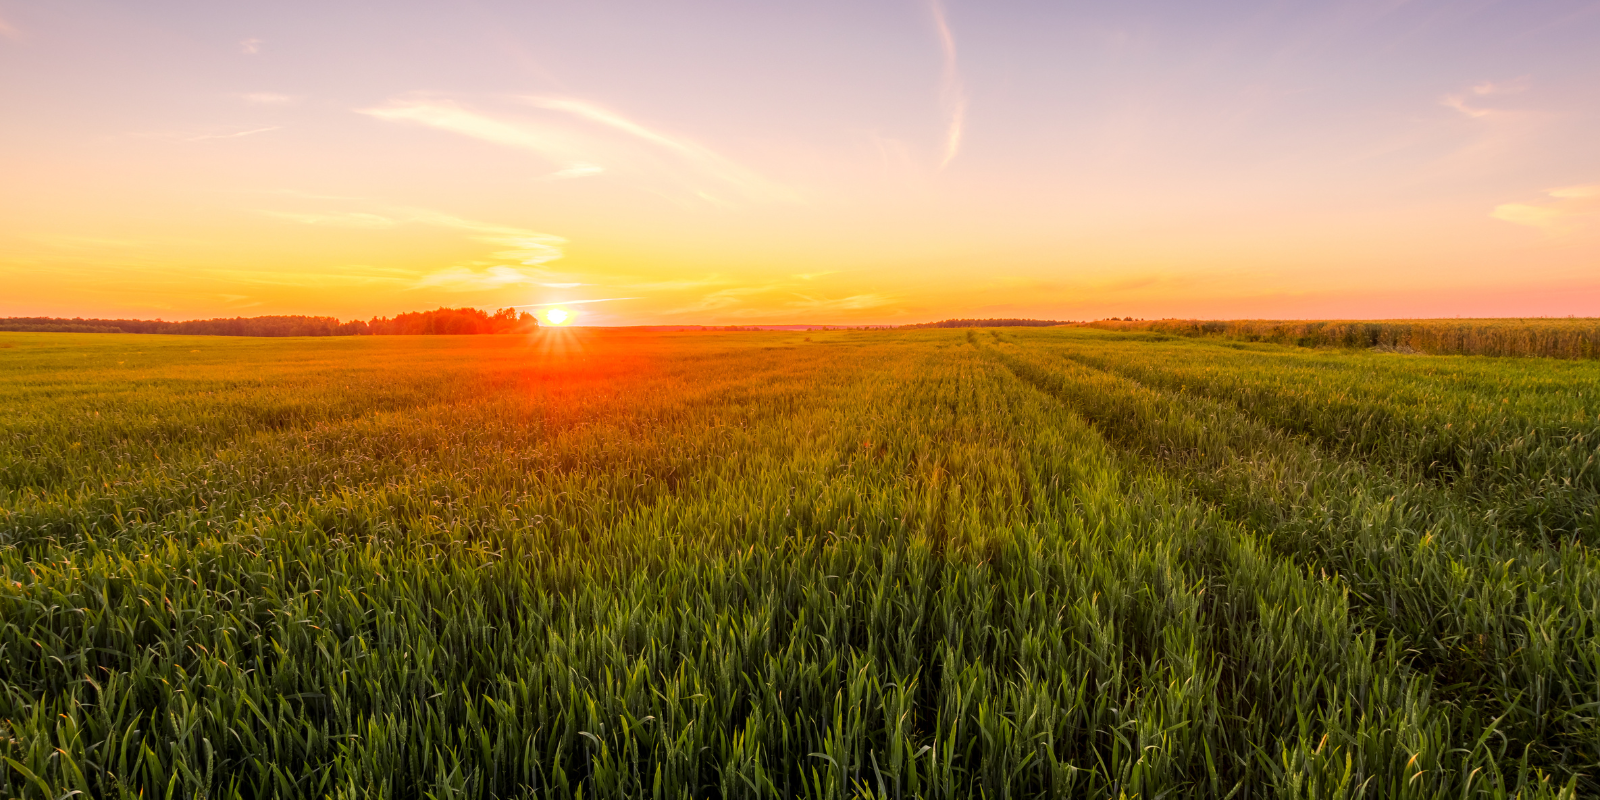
(896, 565)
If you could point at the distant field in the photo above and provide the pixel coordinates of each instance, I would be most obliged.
(944, 563)
(1544, 337)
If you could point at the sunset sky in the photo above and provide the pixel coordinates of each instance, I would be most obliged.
(801, 162)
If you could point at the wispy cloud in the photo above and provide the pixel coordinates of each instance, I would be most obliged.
(603, 116)
(338, 220)
(855, 302)
(681, 285)
(1469, 102)
(952, 93)
(1566, 209)
(576, 302)
(550, 142)
(775, 297)
(250, 47)
(528, 249)
(700, 156)
(722, 299)
(8, 30)
(579, 170)
(701, 171)
(1459, 103)
(464, 279)
(235, 135)
(352, 276)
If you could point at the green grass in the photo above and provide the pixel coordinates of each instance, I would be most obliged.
(943, 563)
(1541, 336)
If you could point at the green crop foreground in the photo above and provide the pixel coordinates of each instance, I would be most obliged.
(1051, 562)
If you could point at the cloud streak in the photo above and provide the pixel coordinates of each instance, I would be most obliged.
(579, 170)
(233, 135)
(551, 143)
(341, 220)
(529, 249)
(465, 279)
(1566, 209)
(1462, 101)
(701, 157)
(767, 299)
(576, 302)
(8, 30)
(952, 93)
(638, 150)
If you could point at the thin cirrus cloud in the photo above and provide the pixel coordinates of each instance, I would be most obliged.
(1566, 209)
(250, 47)
(1464, 101)
(466, 279)
(582, 151)
(550, 142)
(576, 302)
(529, 249)
(8, 30)
(952, 93)
(235, 135)
(526, 246)
(345, 277)
(760, 299)
(702, 158)
(340, 220)
(680, 285)
(855, 302)
(579, 170)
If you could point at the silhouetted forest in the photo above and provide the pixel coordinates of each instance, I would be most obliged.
(438, 321)
(454, 321)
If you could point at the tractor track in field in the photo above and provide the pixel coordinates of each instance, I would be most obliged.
(1485, 498)
(1439, 647)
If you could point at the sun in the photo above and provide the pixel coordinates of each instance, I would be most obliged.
(557, 316)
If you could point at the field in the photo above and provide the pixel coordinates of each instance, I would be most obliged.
(1545, 337)
(946, 563)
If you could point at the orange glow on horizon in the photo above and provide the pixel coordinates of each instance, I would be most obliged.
(557, 316)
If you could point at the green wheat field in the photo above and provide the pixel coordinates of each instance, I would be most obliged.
(1002, 563)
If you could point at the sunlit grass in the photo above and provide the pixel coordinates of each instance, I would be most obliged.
(936, 563)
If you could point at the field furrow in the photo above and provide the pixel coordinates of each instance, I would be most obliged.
(1504, 627)
(1521, 439)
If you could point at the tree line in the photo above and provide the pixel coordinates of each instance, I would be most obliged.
(456, 321)
(989, 323)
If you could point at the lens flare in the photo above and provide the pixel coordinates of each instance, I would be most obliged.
(557, 316)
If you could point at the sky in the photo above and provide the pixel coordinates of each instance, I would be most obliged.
(825, 162)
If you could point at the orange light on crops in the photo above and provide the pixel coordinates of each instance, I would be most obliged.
(557, 316)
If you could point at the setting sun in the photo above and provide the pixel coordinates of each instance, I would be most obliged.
(557, 316)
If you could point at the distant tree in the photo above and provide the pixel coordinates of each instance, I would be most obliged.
(988, 323)
(453, 322)
(237, 326)
(440, 321)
